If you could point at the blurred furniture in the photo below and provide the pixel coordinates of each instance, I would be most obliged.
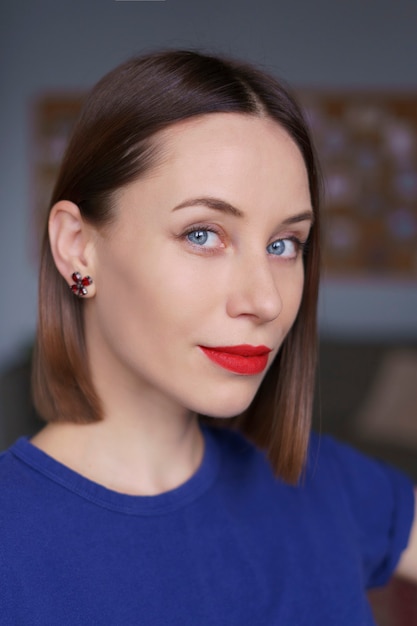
(17, 415)
(349, 374)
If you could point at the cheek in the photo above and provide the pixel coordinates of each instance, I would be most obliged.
(294, 287)
(185, 283)
(157, 290)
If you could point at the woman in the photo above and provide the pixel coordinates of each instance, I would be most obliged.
(178, 290)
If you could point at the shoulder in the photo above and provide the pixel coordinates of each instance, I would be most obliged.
(332, 460)
(16, 501)
(330, 463)
(376, 499)
(10, 469)
(367, 485)
(25, 484)
(14, 478)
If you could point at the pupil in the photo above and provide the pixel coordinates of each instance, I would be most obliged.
(199, 236)
(278, 246)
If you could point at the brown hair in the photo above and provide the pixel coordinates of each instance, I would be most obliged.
(110, 147)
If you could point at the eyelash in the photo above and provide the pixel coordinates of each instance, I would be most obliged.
(301, 246)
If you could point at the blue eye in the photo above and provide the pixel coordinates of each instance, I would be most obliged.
(283, 247)
(204, 237)
(198, 237)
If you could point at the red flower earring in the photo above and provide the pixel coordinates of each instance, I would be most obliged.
(79, 288)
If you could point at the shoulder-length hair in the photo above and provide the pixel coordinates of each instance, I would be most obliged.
(111, 146)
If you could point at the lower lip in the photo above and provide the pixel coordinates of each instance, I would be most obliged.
(247, 365)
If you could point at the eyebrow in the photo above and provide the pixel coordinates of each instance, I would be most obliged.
(300, 217)
(220, 205)
(211, 203)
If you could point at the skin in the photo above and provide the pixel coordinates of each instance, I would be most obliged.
(163, 286)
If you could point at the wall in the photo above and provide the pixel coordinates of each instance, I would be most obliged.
(69, 44)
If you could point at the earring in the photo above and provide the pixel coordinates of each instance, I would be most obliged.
(79, 288)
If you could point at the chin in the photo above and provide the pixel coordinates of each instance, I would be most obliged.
(223, 409)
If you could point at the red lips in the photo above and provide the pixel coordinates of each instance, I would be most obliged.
(244, 359)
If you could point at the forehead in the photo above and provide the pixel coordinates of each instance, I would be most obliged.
(232, 150)
(227, 132)
(249, 162)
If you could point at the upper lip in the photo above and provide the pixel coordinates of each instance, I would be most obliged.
(242, 350)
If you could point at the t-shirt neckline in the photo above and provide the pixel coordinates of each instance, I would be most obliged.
(99, 495)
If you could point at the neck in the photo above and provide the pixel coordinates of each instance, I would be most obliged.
(146, 455)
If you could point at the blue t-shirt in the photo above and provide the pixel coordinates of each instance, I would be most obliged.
(232, 546)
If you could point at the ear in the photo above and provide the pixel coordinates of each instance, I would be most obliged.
(72, 243)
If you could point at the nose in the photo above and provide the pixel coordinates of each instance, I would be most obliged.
(253, 289)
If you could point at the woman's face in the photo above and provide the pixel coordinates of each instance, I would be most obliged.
(200, 277)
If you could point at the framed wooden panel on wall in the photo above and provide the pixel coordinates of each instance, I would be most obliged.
(367, 145)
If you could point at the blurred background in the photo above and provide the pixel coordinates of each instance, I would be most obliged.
(353, 64)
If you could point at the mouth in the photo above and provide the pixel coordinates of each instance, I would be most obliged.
(245, 359)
